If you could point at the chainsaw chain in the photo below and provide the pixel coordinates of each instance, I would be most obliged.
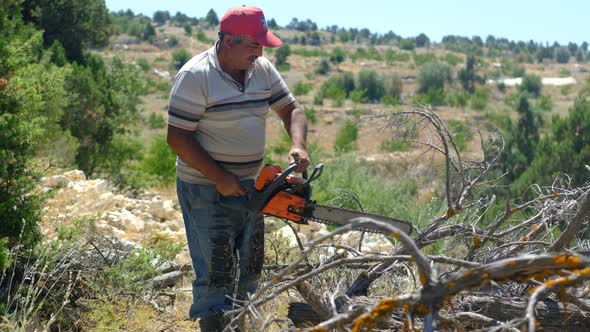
(360, 214)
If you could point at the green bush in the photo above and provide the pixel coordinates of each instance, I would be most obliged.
(338, 55)
(323, 67)
(531, 84)
(458, 99)
(393, 87)
(545, 103)
(180, 57)
(395, 145)
(160, 161)
(562, 55)
(359, 96)
(143, 64)
(452, 59)
(301, 89)
(281, 55)
(461, 132)
(370, 81)
(310, 52)
(310, 114)
(392, 56)
(407, 44)
(345, 179)
(432, 96)
(346, 138)
(479, 100)
(156, 121)
(422, 58)
(200, 36)
(433, 76)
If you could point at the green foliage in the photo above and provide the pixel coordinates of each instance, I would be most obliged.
(156, 121)
(346, 138)
(520, 147)
(479, 100)
(452, 59)
(281, 55)
(76, 24)
(310, 114)
(422, 58)
(180, 57)
(160, 162)
(433, 76)
(310, 52)
(461, 132)
(432, 96)
(31, 94)
(373, 84)
(531, 84)
(393, 87)
(212, 18)
(565, 150)
(545, 103)
(200, 36)
(323, 67)
(467, 75)
(338, 86)
(301, 89)
(161, 16)
(143, 64)
(103, 103)
(422, 40)
(458, 99)
(338, 55)
(3, 259)
(359, 96)
(391, 56)
(407, 44)
(562, 55)
(345, 179)
(188, 29)
(172, 41)
(395, 144)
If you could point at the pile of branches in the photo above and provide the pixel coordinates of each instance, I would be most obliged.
(523, 267)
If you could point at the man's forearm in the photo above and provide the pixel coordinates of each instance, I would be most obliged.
(296, 126)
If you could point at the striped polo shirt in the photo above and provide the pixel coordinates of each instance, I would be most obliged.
(228, 119)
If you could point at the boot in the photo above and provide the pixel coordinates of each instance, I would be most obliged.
(213, 323)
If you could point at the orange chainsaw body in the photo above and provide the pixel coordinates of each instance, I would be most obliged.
(283, 204)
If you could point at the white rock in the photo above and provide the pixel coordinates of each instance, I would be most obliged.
(75, 175)
(55, 181)
(164, 210)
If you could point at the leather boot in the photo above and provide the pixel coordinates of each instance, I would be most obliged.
(213, 323)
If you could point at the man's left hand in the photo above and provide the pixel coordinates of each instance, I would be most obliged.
(300, 156)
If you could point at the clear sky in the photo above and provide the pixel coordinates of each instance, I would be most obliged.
(540, 20)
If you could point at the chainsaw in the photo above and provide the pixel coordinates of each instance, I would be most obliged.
(280, 194)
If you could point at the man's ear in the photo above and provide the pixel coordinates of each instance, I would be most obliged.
(227, 41)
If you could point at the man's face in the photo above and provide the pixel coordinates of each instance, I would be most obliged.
(245, 53)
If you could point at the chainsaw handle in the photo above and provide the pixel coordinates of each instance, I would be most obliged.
(261, 198)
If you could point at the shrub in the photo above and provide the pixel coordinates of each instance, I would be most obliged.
(433, 97)
(156, 121)
(479, 100)
(394, 145)
(310, 114)
(461, 132)
(281, 55)
(369, 81)
(346, 138)
(180, 57)
(160, 161)
(188, 29)
(301, 89)
(143, 64)
(452, 59)
(422, 58)
(562, 55)
(433, 76)
(407, 44)
(392, 56)
(172, 41)
(458, 99)
(531, 84)
(200, 36)
(359, 96)
(338, 55)
(545, 103)
(323, 67)
(393, 87)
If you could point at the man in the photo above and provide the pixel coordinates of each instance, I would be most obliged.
(216, 126)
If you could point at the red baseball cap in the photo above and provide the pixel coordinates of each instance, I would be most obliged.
(249, 20)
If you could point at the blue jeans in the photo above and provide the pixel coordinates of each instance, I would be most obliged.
(224, 239)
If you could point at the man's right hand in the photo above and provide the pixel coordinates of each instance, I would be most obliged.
(229, 185)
